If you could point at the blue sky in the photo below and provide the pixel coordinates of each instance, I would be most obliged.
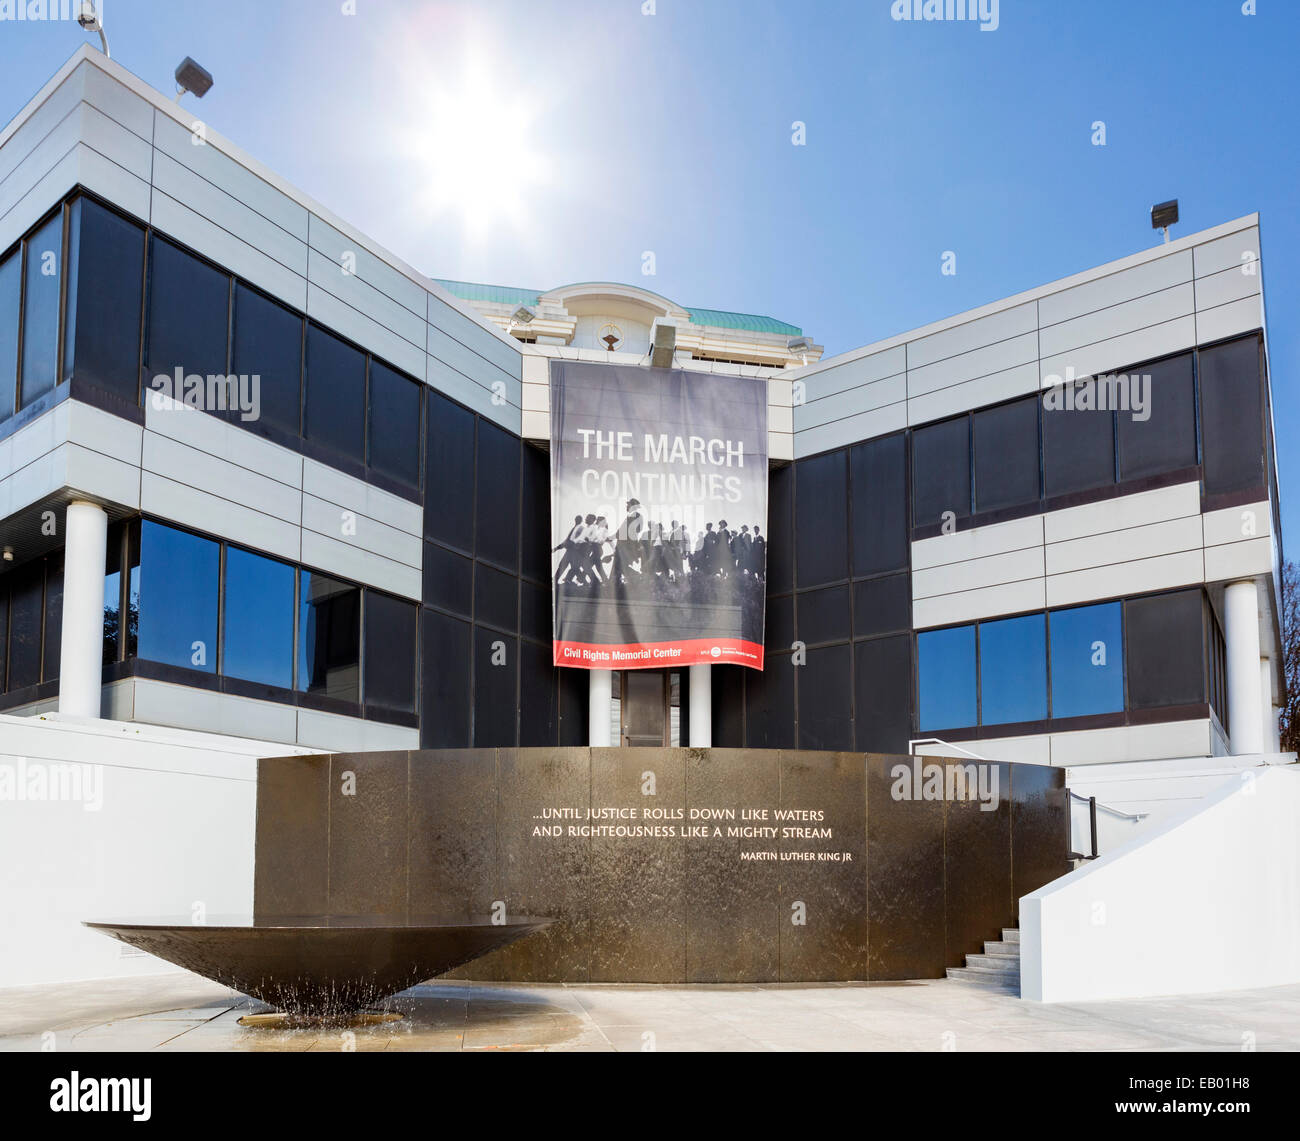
(548, 141)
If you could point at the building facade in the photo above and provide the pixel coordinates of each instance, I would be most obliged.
(1044, 530)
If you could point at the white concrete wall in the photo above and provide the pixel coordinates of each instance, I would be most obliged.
(168, 823)
(1207, 901)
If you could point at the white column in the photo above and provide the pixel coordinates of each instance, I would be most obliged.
(1267, 711)
(599, 698)
(1241, 614)
(701, 695)
(81, 654)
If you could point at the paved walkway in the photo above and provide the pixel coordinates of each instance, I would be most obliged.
(182, 1011)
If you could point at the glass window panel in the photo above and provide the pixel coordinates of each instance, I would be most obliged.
(769, 704)
(101, 335)
(1166, 649)
(1078, 442)
(267, 343)
(1087, 660)
(445, 682)
(822, 519)
(329, 637)
(826, 699)
(538, 696)
(879, 473)
(780, 530)
(258, 617)
(1166, 439)
(823, 615)
(11, 287)
(189, 304)
(448, 580)
(1006, 455)
(882, 677)
(941, 472)
(4, 635)
(41, 310)
(882, 605)
(1232, 416)
(449, 475)
(497, 518)
(1013, 670)
(113, 596)
(26, 606)
(335, 411)
(178, 598)
(390, 652)
(535, 515)
(945, 678)
(53, 632)
(535, 611)
(496, 669)
(394, 443)
(778, 630)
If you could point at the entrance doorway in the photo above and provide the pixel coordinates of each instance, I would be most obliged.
(647, 708)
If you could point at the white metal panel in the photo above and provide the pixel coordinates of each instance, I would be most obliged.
(1000, 326)
(335, 557)
(333, 522)
(1126, 317)
(112, 182)
(1233, 524)
(479, 369)
(973, 364)
(1105, 292)
(117, 144)
(1231, 251)
(1244, 559)
(978, 542)
(851, 402)
(191, 507)
(114, 100)
(1122, 546)
(1119, 579)
(500, 350)
(203, 472)
(186, 707)
(991, 389)
(366, 299)
(1244, 316)
(226, 441)
(986, 602)
(334, 733)
(352, 494)
(1227, 285)
(850, 430)
(102, 477)
(1162, 741)
(970, 574)
(379, 275)
(1124, 511)
(1123, 351)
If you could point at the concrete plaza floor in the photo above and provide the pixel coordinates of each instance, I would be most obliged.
(181, 1011)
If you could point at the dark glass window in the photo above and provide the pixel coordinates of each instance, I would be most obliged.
(823, 615)
(882, 605)
(1166, 649)
(4, 636)
(497, 515)
(769, 704)
(11, 288)
(826, 699)
(1087, 659)
(26, 605)
(189, 305)
(1232, 416)
(945, 678)
(778, 631)
(41, 310)
(1013, 670)
(941, 472)
(448, 580)
(822, 519)
(445, 684)
(1006, 455)
(53, 631)
(449, 475)
(1078, 441)
(496, 597)
(258, 619)
(780, 530)
(267, 343)
(390, 652)
(879, 474)
(101, 333)
(882, 677)
(535, 515)
(179, 575)
(113, 596)
(535, 612)
(496, 668)
(329, 637)
(539, 710)
(1166, 439)
(335, 408)
(394, 428)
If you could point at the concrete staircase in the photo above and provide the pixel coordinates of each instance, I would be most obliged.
(997, 968)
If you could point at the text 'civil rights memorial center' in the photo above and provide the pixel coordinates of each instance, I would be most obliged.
(441, 515)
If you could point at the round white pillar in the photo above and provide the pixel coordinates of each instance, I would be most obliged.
(599, 698)
(81, 654)
(701, 696)
(1241, 615)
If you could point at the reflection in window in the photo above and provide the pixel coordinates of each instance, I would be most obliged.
(329, 637)
(390, 652)
(945, 678)
(189, 304)
(258, 619)
(41, 310)
(178, 587)
(11, 285)
(1013, 670)
(1087, 660)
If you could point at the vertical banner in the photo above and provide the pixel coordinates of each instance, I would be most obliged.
(658, 516)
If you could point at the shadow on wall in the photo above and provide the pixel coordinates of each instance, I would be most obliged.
(670, 865)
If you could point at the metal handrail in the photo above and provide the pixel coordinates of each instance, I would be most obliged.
(911, 745)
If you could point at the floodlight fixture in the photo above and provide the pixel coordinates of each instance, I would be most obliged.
(90, 20)
(191, 77)
(799, 345)
(1164, 215)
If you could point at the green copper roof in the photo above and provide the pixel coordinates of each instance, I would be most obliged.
(721, 318)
